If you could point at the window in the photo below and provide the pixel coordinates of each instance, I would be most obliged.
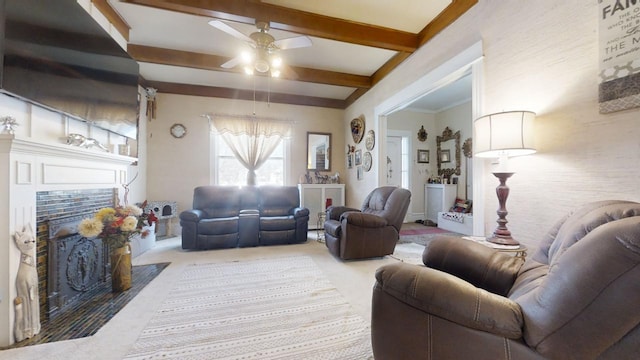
(229, 171)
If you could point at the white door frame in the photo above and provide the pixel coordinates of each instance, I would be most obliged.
(469, 60)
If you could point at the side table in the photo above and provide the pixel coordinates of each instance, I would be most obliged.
(520, 251)
(320, 226)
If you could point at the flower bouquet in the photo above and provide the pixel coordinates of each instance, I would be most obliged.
(116, 226)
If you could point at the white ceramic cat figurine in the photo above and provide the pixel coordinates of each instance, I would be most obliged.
(27, 303)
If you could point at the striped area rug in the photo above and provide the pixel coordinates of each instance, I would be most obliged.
(282, 308)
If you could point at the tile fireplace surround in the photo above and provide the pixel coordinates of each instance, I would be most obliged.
(26, 168)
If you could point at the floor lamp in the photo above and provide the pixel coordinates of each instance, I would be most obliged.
(502, 135)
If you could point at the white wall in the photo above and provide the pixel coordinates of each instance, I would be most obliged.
(177, 166)
(539, 55)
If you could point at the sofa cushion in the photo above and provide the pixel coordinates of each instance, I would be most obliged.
(277, 223)
(217, 201)
(218, 226)
(278, 200)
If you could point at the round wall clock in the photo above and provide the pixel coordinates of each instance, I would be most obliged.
(367, 161)
(178, 131)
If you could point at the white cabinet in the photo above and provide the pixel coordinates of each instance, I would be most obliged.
(438, 197)
(314, 198)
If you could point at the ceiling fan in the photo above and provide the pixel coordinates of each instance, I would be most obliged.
(266, 47)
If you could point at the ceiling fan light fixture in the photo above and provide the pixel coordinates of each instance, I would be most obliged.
(247, 57)
(262, 61)
(264, 57)
(276, 61)
(261, 65)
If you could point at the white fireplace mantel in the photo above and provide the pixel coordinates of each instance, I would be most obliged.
(9, 143)
(27, 167)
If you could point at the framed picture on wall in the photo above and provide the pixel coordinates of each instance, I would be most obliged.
(360, 173)
(358, 157)
(423, 156)
(445, 156)
(350, 161)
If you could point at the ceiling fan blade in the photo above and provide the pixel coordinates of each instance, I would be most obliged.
(293, 42)
(232, 63)
(229, 30)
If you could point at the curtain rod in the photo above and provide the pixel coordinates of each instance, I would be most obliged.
(244, 117)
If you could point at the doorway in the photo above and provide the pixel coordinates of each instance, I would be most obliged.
(397, 161)
(466, 65)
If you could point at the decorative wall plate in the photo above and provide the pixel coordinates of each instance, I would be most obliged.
(357, 128)
(178, 131)
(367, 161)
(370, 140)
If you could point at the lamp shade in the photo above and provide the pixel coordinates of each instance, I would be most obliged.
(507, 133)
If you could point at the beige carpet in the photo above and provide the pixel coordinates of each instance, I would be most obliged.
(276, 308)
(353, 279)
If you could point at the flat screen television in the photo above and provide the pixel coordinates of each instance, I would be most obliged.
(55, 55)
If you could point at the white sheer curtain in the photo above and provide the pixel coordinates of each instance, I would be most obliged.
(251, 139)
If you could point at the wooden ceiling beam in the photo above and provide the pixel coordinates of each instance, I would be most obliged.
(239, 94)
(450, 14)
(301, 22)
(114, 18)
(194, 60)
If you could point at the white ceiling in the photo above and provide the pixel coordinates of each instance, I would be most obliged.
(444, 98)
(152, 26)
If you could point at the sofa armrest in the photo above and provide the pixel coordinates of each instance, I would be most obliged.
(448, 297)
(334, 212)
(480, 265)
(333, 228)
(192, 215)
(300, 212)
(364, 220)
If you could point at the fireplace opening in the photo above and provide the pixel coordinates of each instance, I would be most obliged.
(76, 264)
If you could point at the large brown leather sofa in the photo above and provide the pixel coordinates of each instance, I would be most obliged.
(576, 298)
(372, 231)
(231, 216)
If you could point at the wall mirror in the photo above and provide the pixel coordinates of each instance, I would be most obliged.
(318, 151)
(448, 145)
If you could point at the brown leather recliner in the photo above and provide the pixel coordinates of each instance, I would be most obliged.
(576, 298)
(372, 231)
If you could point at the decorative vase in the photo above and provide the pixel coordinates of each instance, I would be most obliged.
(121, 268)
